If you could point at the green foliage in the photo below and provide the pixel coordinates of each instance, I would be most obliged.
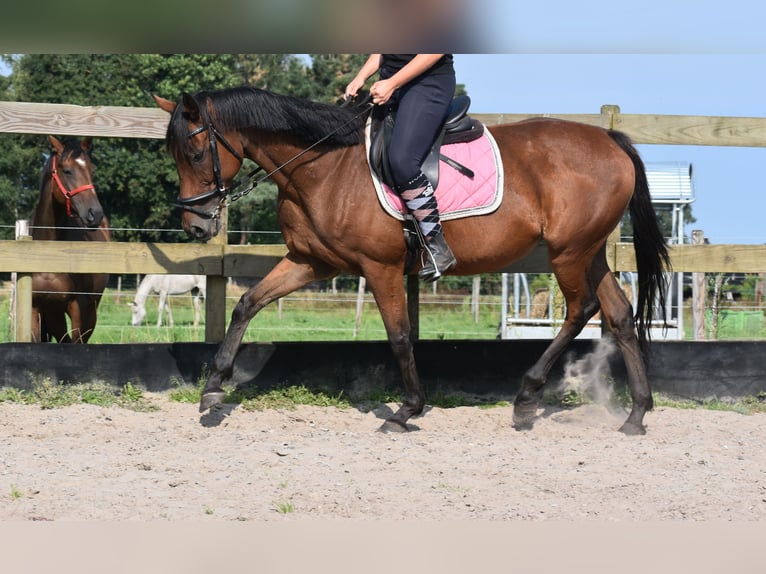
(331, 73)
(135, 177)
(49, 394)
(256, 211)
(287, 397)
(184, 393)
(286, 507)
(745, 405)
(15, 493)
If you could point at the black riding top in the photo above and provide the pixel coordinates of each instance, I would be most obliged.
(392, 63)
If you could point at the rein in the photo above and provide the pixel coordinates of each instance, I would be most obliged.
(227, 195)
(68, 194)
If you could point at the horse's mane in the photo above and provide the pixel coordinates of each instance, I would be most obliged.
(247, 107)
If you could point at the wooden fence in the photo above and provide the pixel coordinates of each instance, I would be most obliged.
(219, 261)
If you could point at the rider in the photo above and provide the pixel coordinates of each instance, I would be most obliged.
(421, 87)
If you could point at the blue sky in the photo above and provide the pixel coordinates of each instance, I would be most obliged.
(730, 183)
(686, 57)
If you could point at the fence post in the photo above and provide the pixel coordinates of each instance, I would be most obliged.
(215, 294)
(699, 293)
(609, 115)
(21, 304)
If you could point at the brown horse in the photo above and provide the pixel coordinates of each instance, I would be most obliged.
(68, 209)
(565, 182)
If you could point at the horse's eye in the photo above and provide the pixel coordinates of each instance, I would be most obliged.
(197, 157)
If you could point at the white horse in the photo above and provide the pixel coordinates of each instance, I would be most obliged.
(165, 285)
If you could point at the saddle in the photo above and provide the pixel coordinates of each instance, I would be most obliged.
(458, 127)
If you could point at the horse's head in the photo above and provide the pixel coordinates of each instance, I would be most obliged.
(207, 160)
(137, 313)
(71, 180)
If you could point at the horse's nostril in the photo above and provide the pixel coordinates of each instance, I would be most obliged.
(199, 233)
(94, 217)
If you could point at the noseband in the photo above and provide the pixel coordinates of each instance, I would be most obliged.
(68, 194)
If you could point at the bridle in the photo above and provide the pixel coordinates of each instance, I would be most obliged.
(68, 194)
(228, 194)
(220, 190)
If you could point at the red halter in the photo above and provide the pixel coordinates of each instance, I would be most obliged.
(67, 193)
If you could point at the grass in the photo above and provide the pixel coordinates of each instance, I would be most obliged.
(745, 405)
(315, 316)
(284, 507)
(302, 316)
(571, 398)
(15, 493)
(49, 394)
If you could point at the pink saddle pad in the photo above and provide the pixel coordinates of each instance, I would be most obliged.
(457, 195)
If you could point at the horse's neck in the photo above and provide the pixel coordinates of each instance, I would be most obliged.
(50, 222)
(295, 176)
(146, 287)
(45, 218)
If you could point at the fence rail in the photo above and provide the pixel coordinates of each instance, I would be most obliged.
(219, 261)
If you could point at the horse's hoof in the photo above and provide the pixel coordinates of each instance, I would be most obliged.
(631, 429)
(210, 399)
(524, 416)
(393, 426)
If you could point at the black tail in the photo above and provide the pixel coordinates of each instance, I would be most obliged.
(652, 257)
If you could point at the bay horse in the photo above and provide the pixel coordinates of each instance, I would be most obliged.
(68, 209)
(165, 285)
(566, 183)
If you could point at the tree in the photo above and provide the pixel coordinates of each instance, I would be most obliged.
(135, 177)
(331, 73)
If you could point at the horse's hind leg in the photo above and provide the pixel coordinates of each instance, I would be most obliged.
(88, 306)
(582, 304)
(618, 315)
(56, 327)
(80, 322)
(286, 277)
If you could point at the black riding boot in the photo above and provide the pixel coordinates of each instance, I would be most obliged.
(418, 194)
(438, 258)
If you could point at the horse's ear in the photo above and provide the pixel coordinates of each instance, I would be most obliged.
(56, 144)
(191, 107)
(166, 105)
(85, 144)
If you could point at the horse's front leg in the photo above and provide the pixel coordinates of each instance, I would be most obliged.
(288, 275)
(388, 290)
(161, 307)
